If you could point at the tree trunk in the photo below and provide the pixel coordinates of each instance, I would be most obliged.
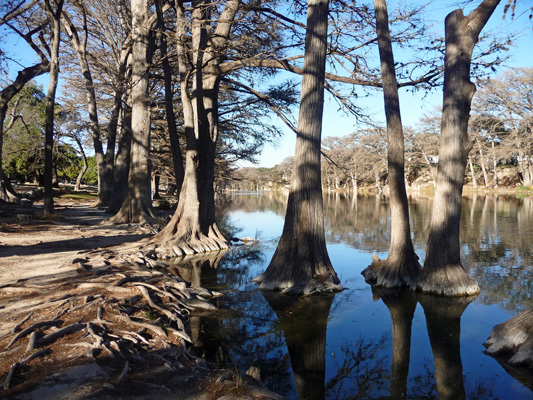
(401, 267)
(54, 18)
(137, 206)
(85, 164)
(193, 227)
(482, 165)
(472, 173)
(92, 108)
(494, 167)
(177, 158)
(301, 263)
(7, 194)
(122, 164)
(443, 273)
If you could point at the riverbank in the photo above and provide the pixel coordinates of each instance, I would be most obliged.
(84, 316)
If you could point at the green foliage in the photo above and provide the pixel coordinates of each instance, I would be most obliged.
(91, 176)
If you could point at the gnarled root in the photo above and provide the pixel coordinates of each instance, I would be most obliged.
(180, 245)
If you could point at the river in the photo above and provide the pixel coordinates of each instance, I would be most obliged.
(364, 344)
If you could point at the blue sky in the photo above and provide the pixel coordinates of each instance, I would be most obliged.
(337, 123)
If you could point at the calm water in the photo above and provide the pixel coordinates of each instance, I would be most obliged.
(355, 345)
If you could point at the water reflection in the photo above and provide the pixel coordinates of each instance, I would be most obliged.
(347, 345)
(401, 304)
(443, 320)
(303, 321)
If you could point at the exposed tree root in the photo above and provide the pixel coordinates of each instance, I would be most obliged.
(449, 281)
(513, 340)
(392, 273)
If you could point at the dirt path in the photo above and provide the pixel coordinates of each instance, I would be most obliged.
(84, 317)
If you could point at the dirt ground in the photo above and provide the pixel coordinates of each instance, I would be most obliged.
(83, 316)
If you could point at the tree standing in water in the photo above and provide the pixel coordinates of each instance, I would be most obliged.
(301, 263)
(443, 273)
(401, 267)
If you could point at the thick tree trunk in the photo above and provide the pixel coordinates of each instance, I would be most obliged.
(301, 263)
(193, 228)
(443, 273)
(54, 18)
(513, 340)
(137, 206)
(401, 267)
(443, 320)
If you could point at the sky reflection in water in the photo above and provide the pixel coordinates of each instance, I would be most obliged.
(341, 347)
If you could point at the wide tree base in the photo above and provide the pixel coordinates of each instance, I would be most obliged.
(513, 339)
(317, 285)
(186, 244)
(392, 273)
(449, 281)
(7, 194)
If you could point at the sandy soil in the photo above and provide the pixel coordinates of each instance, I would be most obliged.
(68, 272)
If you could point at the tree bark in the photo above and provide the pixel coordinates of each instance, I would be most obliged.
(137, 206)
(179, 171)
(193, 228)
(443, 273)
(80, 47)
(513, 340)
(401, 267)
(122, 163)
(54, 20)
(301, 263)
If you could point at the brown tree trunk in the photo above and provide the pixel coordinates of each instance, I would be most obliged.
(122, 164)
(443, 273)
(137, 206)
(7, 193)
(401, 267)
(179, 171)
(193, 228)
(92, 109)
(54, 18)
(301, 263)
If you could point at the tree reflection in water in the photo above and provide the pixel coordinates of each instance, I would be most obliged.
(401, 304)
(304, 322)
(361, 360)
(443, 320)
